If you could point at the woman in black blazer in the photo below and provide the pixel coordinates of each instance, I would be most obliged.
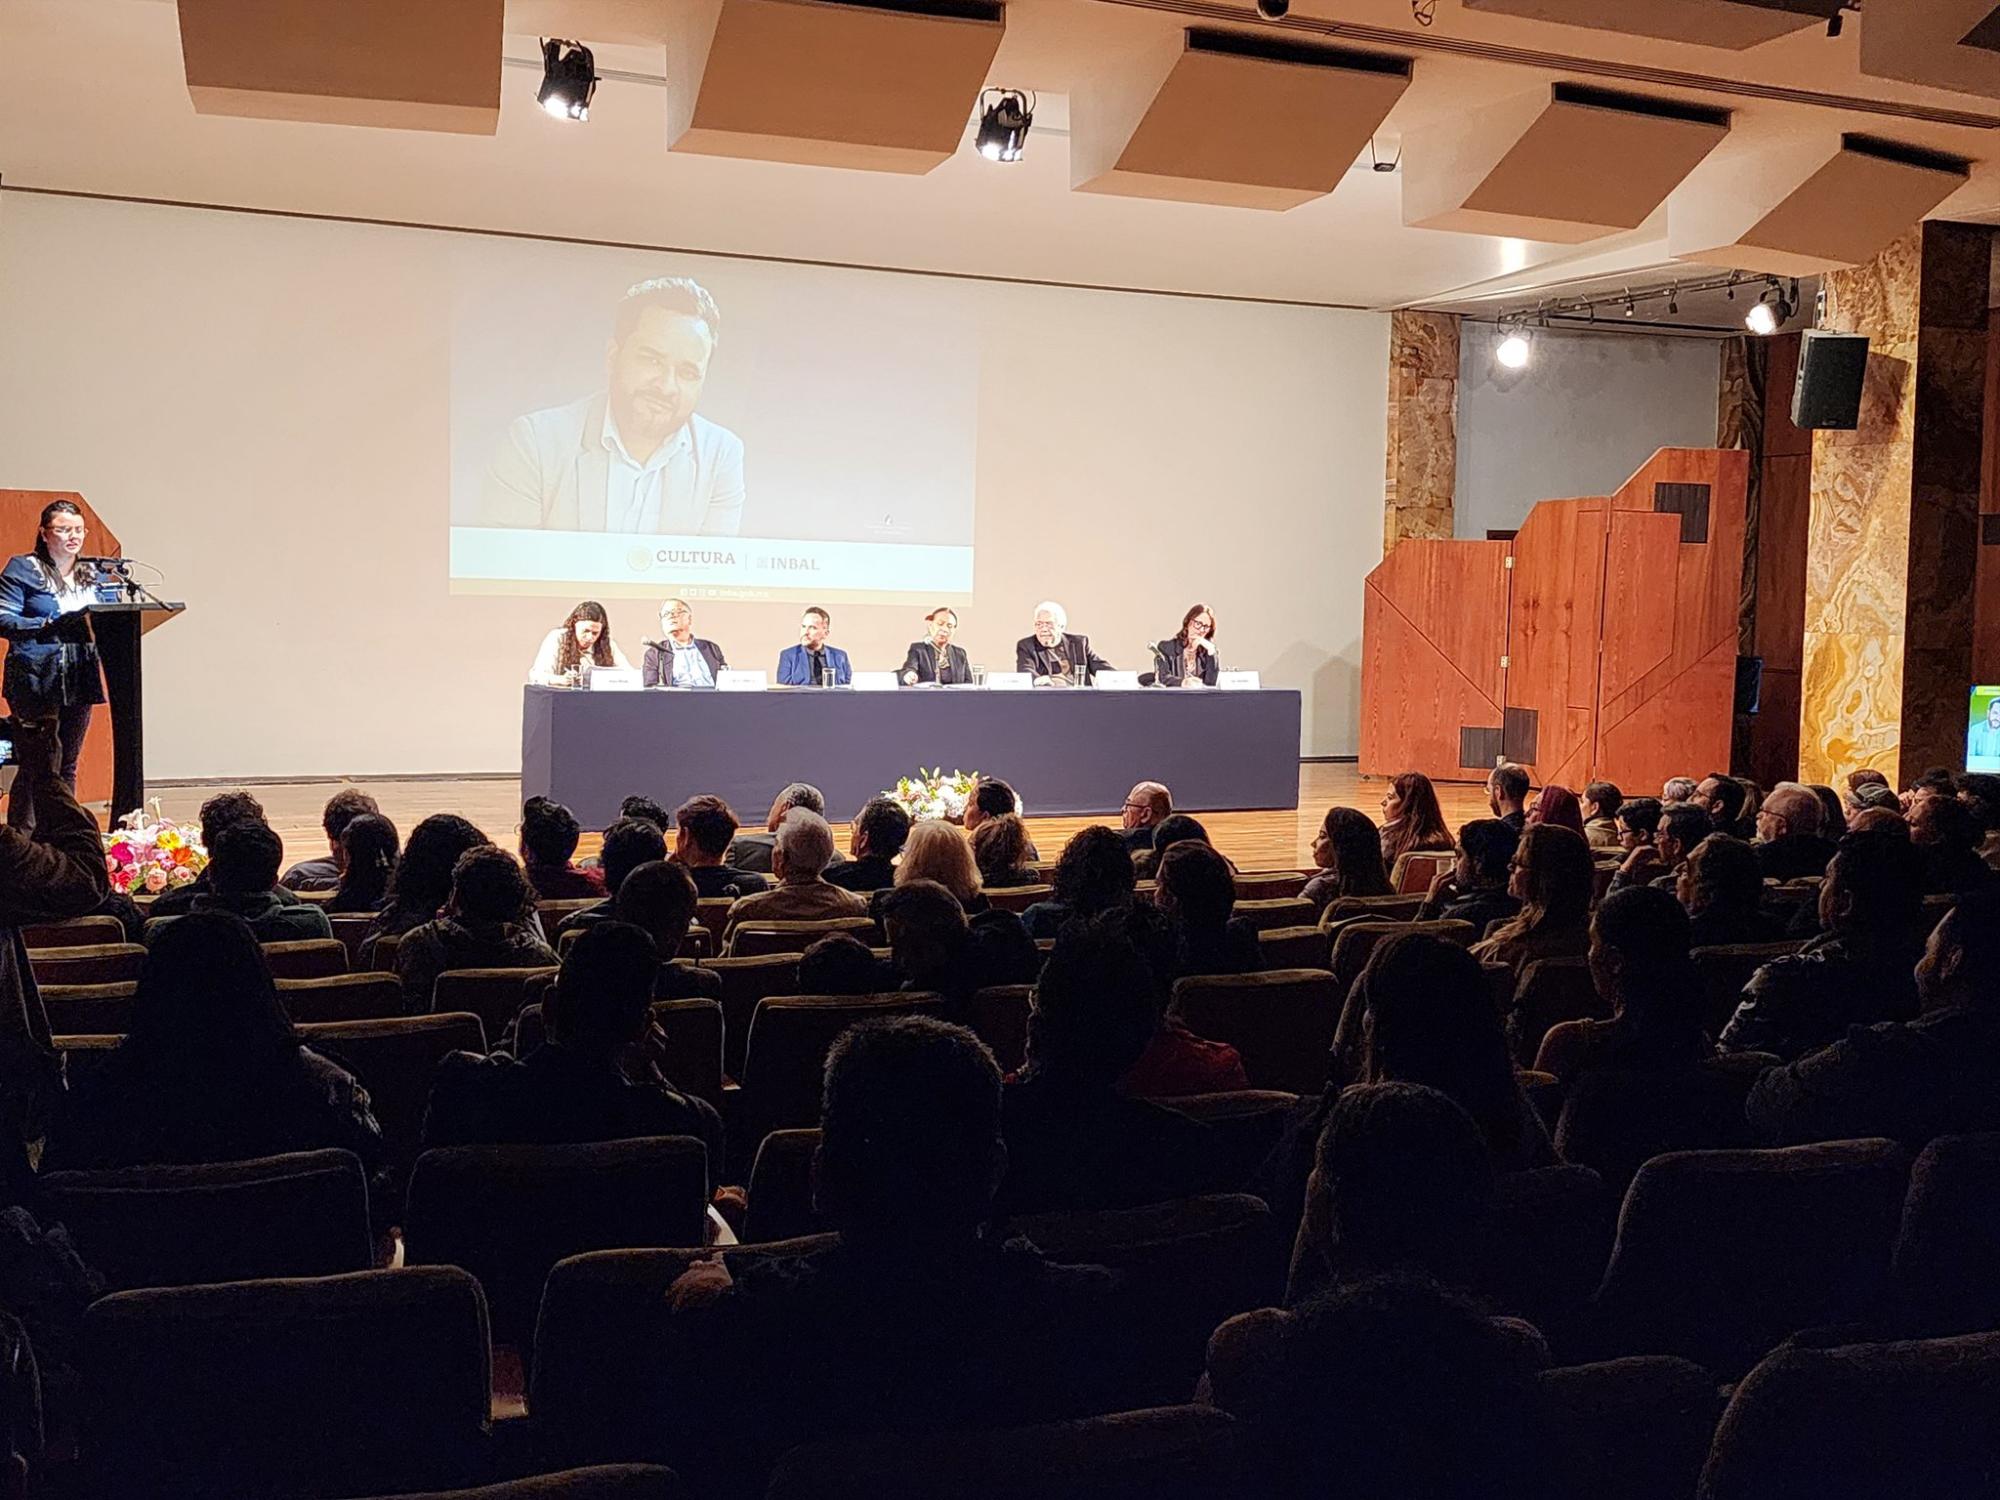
(1189, 655)
(52, 669)
(935, 659)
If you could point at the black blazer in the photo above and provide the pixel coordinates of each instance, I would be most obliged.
(658, 670)
(923, 660)
(1168, 664)
(1084, 663)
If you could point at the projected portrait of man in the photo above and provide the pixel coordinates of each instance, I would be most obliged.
(634, 457)
(1983, 740)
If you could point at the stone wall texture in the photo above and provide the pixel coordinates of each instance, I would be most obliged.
(1422, 469)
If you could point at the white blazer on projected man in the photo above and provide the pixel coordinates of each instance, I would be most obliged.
(555, 471)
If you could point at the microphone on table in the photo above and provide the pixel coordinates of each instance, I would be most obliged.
(1151, 679)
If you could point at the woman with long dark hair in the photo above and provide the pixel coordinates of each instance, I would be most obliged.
(1553, 876)
(422, 882)
(368, 848)
(1640, 945)
(1188, 656)
(1411, 818)
(584, 637)
(51, 670)
(1348, 853)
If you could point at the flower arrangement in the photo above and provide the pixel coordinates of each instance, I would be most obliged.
(152, 855)
(933, 794)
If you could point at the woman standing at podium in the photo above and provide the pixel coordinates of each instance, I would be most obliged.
(584, 636)
(52, 670)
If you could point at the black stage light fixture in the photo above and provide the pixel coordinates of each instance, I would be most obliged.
(569, 78)
(1005, 115)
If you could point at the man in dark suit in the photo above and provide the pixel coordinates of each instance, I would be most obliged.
(1052, 654)
(935, 659)
(680, 658)
(1147, 805)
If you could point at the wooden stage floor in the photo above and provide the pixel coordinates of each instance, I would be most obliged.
(1255, 840)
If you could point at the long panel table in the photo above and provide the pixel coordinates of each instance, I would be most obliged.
(1073, 752)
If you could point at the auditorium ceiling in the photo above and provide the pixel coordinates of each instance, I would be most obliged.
(1177, 145)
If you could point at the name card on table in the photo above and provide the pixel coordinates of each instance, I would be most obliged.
(874, 682)
(1117, 681)
(613, 680)
(1009, 682)
(1238, 680)
(730, 680)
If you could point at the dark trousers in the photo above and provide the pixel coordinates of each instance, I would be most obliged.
(72, 723)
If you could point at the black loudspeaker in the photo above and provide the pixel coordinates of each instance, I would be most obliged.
(1827, 392)
(1749, 684)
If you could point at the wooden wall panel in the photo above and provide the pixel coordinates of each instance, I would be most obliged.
(1553, 632)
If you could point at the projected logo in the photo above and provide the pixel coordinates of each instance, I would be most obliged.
(890, 526)
(639, 559)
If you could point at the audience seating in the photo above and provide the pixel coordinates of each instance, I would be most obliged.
(1551, 991)
(1614, 1120)
(89, 963)
(699, 943)
(1247, 1124)
(998, 1016)
(1914, 1420)
(302, 1214)
(1636, 1428)
(1269, 885)
(395, 1060)
(1265, 915)
(1353, 944)
(75, 1009)
(494, 995)
(1017, 898)
(350, 928)
(605, 1482)
(372, 1382)
(1415, 870)
(384, 955)
(506, 1214)
(342, 997)
(1383, 908)
(1721, 1254)
(781, 1206)
(306, 958)
(692, 1050)
(785, 1055)
(1296, 947)
(1947, 1261)
(554, 908)
(1281, 1021)
(757, 937)
(712, 912)
(1545, 1244)
(77, 932)
(746, 982)
(1725, 970)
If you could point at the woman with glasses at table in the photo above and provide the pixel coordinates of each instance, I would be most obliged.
(1189, 657)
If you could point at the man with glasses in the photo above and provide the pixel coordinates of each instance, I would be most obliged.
(680, 658)
(1146, 806)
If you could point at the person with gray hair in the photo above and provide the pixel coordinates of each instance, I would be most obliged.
(1677, 789)
(803, 850)
(1790, 845)
(1052, 656)
(752, 851)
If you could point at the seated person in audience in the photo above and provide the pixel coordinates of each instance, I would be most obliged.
(880, 830)
(920, 1318)
(368, 848)
(1908, 1080)
(1507, 794)
(1175, 828)
(212, 1069)
(1682, 825)
(752, 851)
(1553, 877)
(1558, 807)
(342, 808)
(597, 1076)
(1176, 1062)
(1726, 801)
(634, 807)
(1639, 946)
(1880, 820)
(1948, 834)
(549, 835)
(1722, 890)
(1638, 821)
(805, 849)
(1073, 1140)
(939, 851)
(1412, 821)
(1094, 874)
(1871, 797)
(993, 798)
(1788, 844)
(659, 899)
(1198, 894)
(934, 948)
(1475, 889)
(1980, 791)
(1347, 852)
(1939, 781)
(1858, 972)
(1832, 811)
(703, 828)
(628, 844)
(1677, 789)
(1147, 805)
(841, 964)
(483, 926)
(216, 814)
(1601, 801)
(1000, 849)
(422, 882)
(243, 881)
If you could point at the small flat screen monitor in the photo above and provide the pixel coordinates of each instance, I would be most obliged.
(1982, 729)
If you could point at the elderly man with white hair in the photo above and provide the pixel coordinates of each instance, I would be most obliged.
(752, 851)
(1052, 656)
(804, 850)
(1677, 789)
(1790, 844)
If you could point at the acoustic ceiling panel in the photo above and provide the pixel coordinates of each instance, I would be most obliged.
(1564, 164)
(429, 66)
(1946, 44)
(884, 87)
(1735, 24)
(1810, 208)
(1221, 117)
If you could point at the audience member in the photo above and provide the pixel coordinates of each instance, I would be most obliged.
(1866, 776)
(645, 807)
(1073, 1140)
(323, 874)
(934, 948)
(628, 844)
(216, 814)
(1412, 821)
(659, 899)
(1880, 820)
(939, 851)
(804, 850)
(1507, 794)
(1981, 792)
(1093, 875)
(211, 1069)
(752, 851)
(1639, 945)
(1871, 796)
(422, 882)
(1000, 849)
(1788, 844)
(1475, 889)
(368, 848)
(1682, 825)
(549, 836)
(841, 964)
(1638, 821)
(877, 836)
(1948, 834)
(1175, 828)
(243, 881)
(483, 926)
(993, 798)
(1176, 1062)
(1858, 972)
(1558, 807)
(1601, 801)
(1832, 811)
(1724, 799)
(1347, 851)
(1677, 789)
(1722, 890)
(1198, 894)
(595, 1079)
(1553, 877)
(1938, 781)
(703, 830)
(1146, 806)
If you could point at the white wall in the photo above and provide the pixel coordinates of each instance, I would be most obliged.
(1589, 409)
(259, 405)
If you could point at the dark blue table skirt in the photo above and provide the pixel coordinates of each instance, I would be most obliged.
(1067, 752)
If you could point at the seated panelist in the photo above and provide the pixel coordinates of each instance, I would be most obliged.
(584, 637)
(1052, 654)
(1189, 657)
(680, 658)
(935, 658)
(813, 663)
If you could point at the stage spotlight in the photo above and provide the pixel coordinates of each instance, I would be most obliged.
(1770, 312)
(569, 78)
(1513, 350)
(1005, 115)
(1274, 10)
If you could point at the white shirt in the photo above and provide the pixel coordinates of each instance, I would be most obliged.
(690, 666)
(70, 596)
(544, 670)
(632, 490)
